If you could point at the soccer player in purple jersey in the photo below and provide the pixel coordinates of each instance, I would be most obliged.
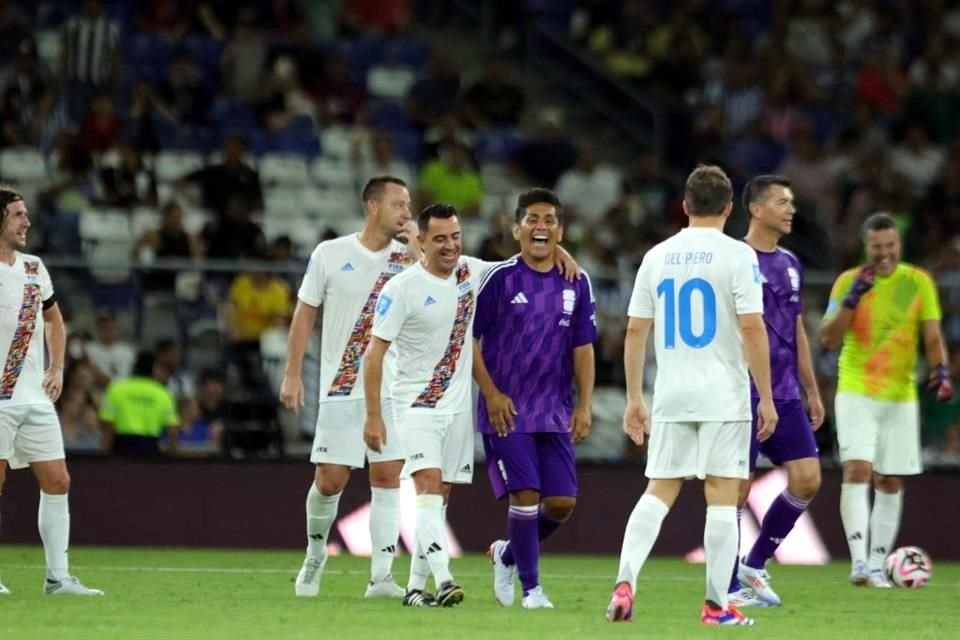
(533, 340)
(769, 201)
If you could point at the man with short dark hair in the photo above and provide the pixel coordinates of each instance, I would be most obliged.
(878, 312)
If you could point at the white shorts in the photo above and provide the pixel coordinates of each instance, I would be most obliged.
(30, 433)
(885, 434)
(701, 449)
(338, 438)
(442, 442)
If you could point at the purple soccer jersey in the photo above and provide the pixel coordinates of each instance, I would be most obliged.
(782, 304)
(529, 324)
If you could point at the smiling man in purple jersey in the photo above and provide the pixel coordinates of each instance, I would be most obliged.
(533, 341)
(768, 199)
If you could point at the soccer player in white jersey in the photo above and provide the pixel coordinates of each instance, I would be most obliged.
(30, 431)
(345, 276)
(702, 292)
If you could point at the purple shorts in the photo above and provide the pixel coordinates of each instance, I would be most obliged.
(791, 440)
(544, 462)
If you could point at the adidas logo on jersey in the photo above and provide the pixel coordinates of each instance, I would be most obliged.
(347, 267)
(519, 299)
(466, 469)
(429, 301)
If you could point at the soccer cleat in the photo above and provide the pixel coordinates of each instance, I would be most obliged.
(878, 580)
(449, 594)
(620, 608)
(504, 577)
(418, 598)
(385, 588)
(3, 590)
(859, 574)
(536, 599)
(69, 586)
(759, 581)
(308, 580)
(730, 616)
(745, 598)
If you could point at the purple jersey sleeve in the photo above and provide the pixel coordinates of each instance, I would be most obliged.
(585, 315)
(487, 303)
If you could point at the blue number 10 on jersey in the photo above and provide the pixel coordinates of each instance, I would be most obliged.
(677, 312)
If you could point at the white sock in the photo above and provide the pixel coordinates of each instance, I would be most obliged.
(432, 536)
(720, 541)
(53, 520)
(855, 514)
(642, 530)
(419, 569)
(384, 530)
(321, 512)
(884, 523)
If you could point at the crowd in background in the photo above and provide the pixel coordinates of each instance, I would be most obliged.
(213, 124)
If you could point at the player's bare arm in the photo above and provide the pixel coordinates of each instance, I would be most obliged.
(56, 338)
(636, 417)
(374, 429)
(500, 407)
(808, 378)
(757, 349)
(937, 359)
(584, 374)
(291, 388)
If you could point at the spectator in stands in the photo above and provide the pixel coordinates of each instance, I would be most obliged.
(90, 58)
(650, 195)
(202, 425)
(338, 97)
(436, 94)
(234, 234)
(169, 369)
(183, 92)
(170, 240)
(451, 179)
(101, 129)
(130, 183)
(79, 371)
(78, 419)
(494, 101)
(917, 159)
(543, 158)
(28, 77)
(281, 252)
(144, 107)
(75, 186)
(230, 179)
(14, 26)
(390, 79)
(448, 130)
(164, 18)
(138, 411)
(376, 17)
(589, 189)
(809, 178)
(286, 100)
(244, 60)
(380, 161)
(624, 42)
(114, 358)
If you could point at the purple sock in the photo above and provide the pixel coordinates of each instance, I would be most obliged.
(778, 522)
(524, 547)
(734, 581)
(545, 528)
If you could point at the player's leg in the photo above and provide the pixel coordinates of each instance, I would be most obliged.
(671, 456)
(385, 468)
(857, 434)
(736, 593)
(898, 455)
(3, 479)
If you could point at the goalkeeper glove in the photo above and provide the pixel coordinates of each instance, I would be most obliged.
(939, 383)
(862, 284)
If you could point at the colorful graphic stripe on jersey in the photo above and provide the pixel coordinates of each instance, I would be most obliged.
(26, 325)
(443, 372)
(346, 376)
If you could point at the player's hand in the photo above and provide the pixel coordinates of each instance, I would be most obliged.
(291, 393)
(766, 419)
(636, 422)
(53, 383)
(375, 433)
(566, 265)
(861, 284)
(580, 424)
(500, 410)
(940, 384)
(816, 412)
(409, 231)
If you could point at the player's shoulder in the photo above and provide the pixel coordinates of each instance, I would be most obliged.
(790, 256)
(30, 259)
(407, 277)
(916, 273)
(498, 272)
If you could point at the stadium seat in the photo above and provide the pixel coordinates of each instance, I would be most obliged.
(333, 174)
(282, 202)
(105, 226)
(168, 166)
(144, 219)
(195, 219)
(22, 164)
(412, 53)
(407, 145)
(106, 242)
(496, 144)
(388, 115)
(298, 142)
(284, 169)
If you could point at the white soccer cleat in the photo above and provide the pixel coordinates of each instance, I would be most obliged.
(878, 580)
(745, 598)
(504, 588)
(536, 599)
(69, 586)
(759, 581)
(859, 574)
(308, 580)
(385, 588)
(3, 590)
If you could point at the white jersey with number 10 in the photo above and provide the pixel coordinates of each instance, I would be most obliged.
(695, 285)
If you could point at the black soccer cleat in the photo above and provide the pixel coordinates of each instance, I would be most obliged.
(418, 598)
(450, 594)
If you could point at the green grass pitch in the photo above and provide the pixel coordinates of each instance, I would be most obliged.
(154, 593)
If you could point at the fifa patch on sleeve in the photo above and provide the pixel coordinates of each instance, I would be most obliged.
(384, 304)
(831, 307)
(756, 274)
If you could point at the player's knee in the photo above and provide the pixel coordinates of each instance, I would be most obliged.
(331, 479)
(385, 475)
(887, 484)
(857, 471)
(57, 485)
(559, 508)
